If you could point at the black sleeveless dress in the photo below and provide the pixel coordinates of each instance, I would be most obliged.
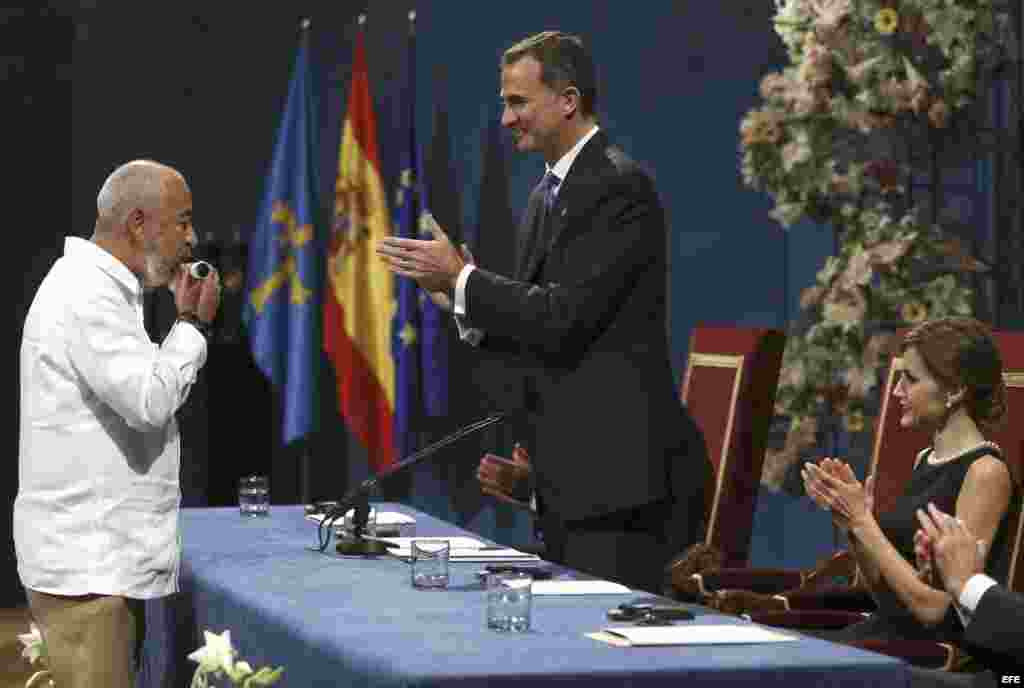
(939, 484)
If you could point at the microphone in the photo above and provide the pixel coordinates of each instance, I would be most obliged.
(358, 498)
(199, 269)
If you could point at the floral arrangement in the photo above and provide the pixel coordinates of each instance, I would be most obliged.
(217, 659)
(34, 650)
(876, 94)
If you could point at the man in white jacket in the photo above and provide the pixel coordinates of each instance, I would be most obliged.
(96, 516)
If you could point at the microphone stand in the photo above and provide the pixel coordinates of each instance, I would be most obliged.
(358, 498)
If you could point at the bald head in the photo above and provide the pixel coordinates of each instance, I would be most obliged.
(139, 184)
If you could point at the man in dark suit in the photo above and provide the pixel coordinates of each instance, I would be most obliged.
(993, 616)
(620, 468)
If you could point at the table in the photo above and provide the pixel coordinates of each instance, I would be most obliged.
(333, 620)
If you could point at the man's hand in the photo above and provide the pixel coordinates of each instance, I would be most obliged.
(441, 298)
(199, 296)
(435, 264)
(499, 477)
(923, 560)
(956, 553)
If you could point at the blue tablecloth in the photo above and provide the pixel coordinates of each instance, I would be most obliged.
(342, 621)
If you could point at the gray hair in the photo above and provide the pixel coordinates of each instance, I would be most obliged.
(136, 184)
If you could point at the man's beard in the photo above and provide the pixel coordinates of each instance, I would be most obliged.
(158, 270)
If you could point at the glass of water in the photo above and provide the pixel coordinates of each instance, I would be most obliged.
(509, 598)
(430, 563)
(254, 495)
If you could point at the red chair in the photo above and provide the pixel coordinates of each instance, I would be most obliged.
(729, 390)
(889, 440)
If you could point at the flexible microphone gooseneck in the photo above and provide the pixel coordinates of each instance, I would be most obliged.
(358, 497)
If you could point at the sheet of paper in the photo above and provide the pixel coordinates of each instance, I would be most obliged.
(405, 543)
(463, 549)
(485, 556)
(690, 634)
(384, 518)
(573, 587)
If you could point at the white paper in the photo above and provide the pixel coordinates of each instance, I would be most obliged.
(463, 549)
(574, 587)
(405, 543)
(384, 518)
(698, 634)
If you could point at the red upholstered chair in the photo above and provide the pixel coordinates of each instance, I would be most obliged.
(729, 390)
(1010, 438)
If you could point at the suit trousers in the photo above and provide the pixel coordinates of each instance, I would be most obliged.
(92, 641)
(630, 547)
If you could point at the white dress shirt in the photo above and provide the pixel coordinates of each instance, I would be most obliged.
(99, 452)
(970, 596)
(560, 169)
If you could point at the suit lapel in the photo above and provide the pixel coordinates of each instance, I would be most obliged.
(570, 194)
(529, 230)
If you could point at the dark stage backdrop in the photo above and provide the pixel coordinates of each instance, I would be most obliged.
(201, 86)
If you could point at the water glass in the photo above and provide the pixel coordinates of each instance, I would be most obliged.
(430, 563)
(254, 495)
(509, 598)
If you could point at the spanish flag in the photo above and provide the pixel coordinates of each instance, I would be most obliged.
(358, 299)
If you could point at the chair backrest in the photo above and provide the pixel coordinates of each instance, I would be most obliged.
(1011, 439)
(892, 458)
(729, 390)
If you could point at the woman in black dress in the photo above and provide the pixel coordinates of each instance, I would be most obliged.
(951, 384)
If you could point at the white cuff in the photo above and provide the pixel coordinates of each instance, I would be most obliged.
(976, 586)
(459, 307)
(470, 335)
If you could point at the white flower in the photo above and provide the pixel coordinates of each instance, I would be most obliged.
(217, 654)
(32, 644)
(791, 20)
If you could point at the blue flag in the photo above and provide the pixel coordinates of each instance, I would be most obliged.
(283, 276)
(418, 344)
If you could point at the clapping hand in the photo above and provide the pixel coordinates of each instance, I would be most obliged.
(956, 553)
(834, 487)
(500, 477)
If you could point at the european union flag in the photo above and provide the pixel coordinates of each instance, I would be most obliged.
(283, 279)
(419, 346)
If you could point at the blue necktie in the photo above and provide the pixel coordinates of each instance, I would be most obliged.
(549, 183)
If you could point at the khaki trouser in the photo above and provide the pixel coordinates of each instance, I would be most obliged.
(92, 641)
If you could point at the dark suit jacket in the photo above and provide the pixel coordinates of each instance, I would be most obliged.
(586, 313)
(995, 635)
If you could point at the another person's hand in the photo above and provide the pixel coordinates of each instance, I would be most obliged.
(434, 263)
(501, 478)
(956, 552)
(833, 486)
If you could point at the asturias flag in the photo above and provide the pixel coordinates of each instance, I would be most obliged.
(282, 305)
